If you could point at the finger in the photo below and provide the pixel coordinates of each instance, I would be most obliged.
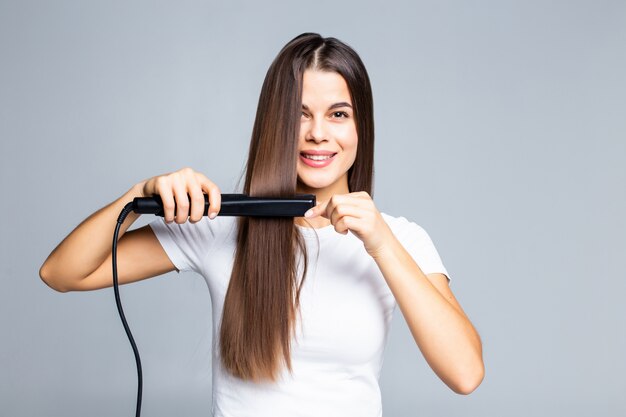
(194, 194)
(182, 200)
(197, 201)
(344, 211)
(347, 223)
(315, 211)
(334, 202)
(163, 187)
(325, 208)
(215, 196)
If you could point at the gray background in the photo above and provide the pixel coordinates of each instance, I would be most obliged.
(500, 129)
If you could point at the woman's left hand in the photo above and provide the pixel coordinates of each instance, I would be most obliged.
(356, 212)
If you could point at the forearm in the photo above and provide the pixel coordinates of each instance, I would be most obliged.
(88, 245)
(443, 333)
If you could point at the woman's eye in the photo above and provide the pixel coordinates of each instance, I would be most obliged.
(340, 114)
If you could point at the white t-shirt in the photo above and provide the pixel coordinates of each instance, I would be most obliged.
(346, 309)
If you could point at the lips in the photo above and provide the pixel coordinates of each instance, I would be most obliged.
(317, 152)
(315, 157)
(317, 163)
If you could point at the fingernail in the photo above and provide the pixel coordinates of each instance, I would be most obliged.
(212, 215)
(308, 213)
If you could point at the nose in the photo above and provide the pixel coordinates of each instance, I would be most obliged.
(316, 130)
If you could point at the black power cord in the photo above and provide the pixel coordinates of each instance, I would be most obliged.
(128, 208)
(232, 205)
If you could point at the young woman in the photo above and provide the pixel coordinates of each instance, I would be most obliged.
(301, 307)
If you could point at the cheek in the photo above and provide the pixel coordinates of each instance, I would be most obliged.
(302, 129)
(352, 142)
(348, 136)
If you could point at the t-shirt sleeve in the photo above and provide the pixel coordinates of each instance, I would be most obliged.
(420, 246)
(186, 244)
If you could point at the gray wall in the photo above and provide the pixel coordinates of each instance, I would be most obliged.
(500, 129)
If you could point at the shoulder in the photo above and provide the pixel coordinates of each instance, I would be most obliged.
(418, 243)
(401, 226)
(408, 232)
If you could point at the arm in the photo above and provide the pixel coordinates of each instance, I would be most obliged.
(439, 326)
(442, 331)
(82, 261)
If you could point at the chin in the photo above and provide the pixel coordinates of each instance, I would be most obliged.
(317, 183)
(320, 180)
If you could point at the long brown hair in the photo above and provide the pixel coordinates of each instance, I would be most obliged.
(259, 316)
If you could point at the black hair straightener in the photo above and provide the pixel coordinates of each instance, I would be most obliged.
(231, 205)
(239, 205)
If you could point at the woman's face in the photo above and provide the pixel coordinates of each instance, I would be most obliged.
(327, 126)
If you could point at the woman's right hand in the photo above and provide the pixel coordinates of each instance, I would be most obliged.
(173, 189)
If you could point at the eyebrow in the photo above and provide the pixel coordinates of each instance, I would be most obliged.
(333, 106)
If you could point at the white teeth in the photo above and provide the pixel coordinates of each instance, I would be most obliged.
(318, 157)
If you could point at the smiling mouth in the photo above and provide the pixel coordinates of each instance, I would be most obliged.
(317, 157)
